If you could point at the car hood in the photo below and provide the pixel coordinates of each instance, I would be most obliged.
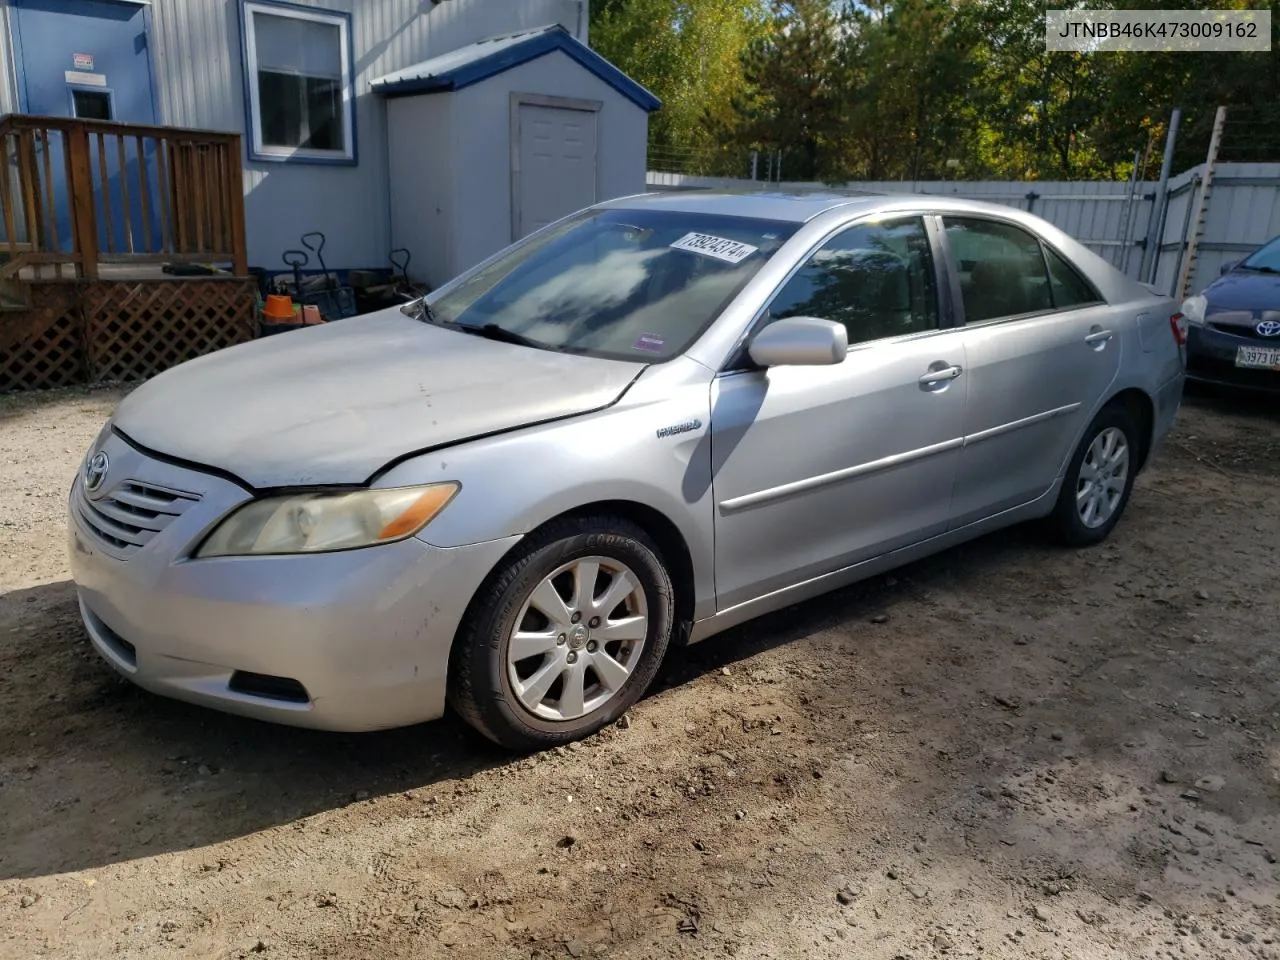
(333, 404)
(1244, 290)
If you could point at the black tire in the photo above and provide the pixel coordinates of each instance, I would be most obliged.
(1065, 522)
(479, 688)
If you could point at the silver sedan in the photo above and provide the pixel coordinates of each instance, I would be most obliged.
(648, 422)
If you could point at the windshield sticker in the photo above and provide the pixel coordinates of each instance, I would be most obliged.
(651, 342)
(730, 251)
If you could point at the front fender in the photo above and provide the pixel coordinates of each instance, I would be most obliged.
(652, 449)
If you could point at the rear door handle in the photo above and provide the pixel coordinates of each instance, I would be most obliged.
(1098, 336)
(940, 376)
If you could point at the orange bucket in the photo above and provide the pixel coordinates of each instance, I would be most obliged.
(278, 308)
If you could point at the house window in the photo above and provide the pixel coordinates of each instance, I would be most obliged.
(298, 66)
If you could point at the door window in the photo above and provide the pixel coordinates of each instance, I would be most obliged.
(1002, 269)
(1069, 288)
(877, 279)
(91, 104)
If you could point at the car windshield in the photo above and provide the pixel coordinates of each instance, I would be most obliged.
(1266, 258)
(626, 284)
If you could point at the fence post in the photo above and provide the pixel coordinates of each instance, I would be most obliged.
(1160, 204)
(1186, 224)
(755, 163)
(235, 191)
(1127, 229)
(85, 218)
(1032, 197)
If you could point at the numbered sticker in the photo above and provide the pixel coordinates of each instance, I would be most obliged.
(730, 251)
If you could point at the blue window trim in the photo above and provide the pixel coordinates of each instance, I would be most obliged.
(254, 154)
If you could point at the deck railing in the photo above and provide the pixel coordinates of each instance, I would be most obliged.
(75, 194)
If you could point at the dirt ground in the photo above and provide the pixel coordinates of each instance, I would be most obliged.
(1009, 750)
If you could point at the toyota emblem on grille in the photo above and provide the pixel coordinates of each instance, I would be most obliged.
(95, 471)
(1268, 328)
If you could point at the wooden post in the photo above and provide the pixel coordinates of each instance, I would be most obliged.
(85, 220)
(1202, 206)
(235, 198)
(6, 197)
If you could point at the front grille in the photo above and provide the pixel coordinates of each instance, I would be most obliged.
(1249, 332)
(133, 512)
(1243, 323)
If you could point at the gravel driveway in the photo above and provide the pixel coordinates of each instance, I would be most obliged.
(1009, 750)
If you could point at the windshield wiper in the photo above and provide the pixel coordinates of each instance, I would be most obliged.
(491, 331)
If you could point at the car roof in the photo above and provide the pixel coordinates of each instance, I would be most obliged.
(800, 206)
(795, 207)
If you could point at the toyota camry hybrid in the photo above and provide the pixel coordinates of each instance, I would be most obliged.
(652, 420)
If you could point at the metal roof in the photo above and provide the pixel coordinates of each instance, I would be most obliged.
(486, 58)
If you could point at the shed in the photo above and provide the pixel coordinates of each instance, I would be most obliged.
(493, 140)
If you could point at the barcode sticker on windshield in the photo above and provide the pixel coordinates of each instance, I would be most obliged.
(730, 251)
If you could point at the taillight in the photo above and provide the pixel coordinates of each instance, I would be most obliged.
(1178, 324)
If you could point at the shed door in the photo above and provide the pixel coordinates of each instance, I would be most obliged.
(554, 164)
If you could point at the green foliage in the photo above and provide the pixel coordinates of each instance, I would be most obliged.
(689, 54)
(924, 89)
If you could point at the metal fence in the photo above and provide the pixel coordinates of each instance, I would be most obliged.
(1241, 212)
(1114, 219)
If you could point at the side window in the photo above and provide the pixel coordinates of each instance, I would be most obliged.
(877, 279)
(1069, 288)
(1002, 269)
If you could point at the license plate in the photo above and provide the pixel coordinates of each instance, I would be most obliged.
(1258, 358)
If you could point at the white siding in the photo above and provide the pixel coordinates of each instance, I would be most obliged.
(200, 83)
(8, 79)
(483, 141)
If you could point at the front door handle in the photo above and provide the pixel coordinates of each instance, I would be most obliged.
(934, 377)
(1098, 336)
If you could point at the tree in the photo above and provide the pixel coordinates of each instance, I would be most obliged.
(689, 54)
(792, 98)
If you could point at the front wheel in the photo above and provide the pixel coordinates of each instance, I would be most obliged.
(565, 636)
(1099, 479)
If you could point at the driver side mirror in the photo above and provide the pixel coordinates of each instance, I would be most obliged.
(800, 342)
(1227, 267)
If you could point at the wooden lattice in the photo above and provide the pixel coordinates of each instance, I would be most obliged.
(119, 330)
(53, 357)
(136, 329)
(43, 347)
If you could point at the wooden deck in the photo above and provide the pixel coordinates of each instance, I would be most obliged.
(107, 271)
(90, 213)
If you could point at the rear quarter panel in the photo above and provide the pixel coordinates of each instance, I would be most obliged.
(1151, 362)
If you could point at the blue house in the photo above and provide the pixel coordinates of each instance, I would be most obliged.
(296, 82)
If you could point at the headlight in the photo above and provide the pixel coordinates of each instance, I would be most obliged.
(319, 522)
(1193, 309)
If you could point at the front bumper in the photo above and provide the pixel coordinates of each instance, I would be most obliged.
(1211, 358)
(363, 634)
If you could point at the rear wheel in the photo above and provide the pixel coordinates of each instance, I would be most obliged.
(1099, 479)
(566, 636)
